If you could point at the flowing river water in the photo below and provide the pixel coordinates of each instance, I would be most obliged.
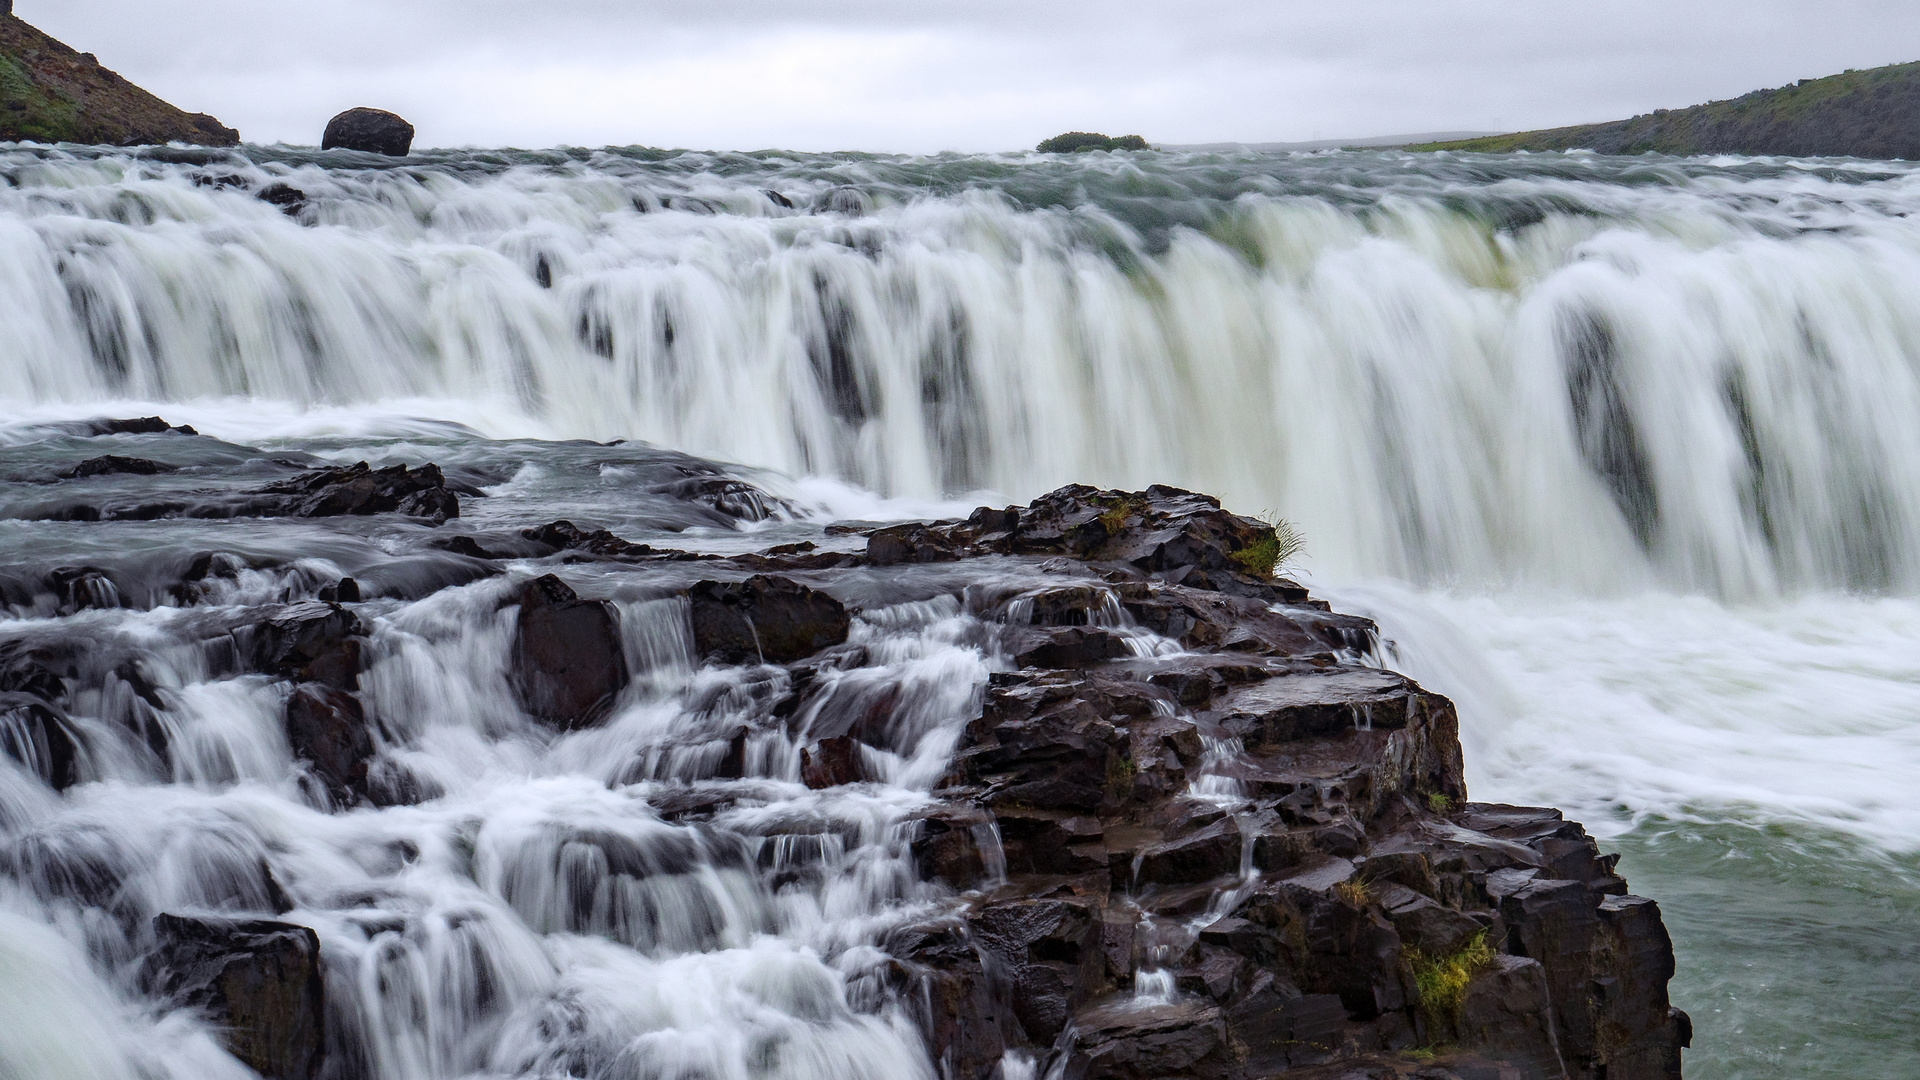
(1622, 454)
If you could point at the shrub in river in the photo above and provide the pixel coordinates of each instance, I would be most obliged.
(1074, 142)
(1442, 982)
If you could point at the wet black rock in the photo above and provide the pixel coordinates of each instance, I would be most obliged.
(372, 131)
(763, 619)
(111, 464)
(1170, 535)
(359, 489)
(568, 662)
(143, 425)
(258, 983)
(291, 200)
(82, 587)
(311, 641)
(832, 762)
(1351, 864)
(327, 727)
(36, 734)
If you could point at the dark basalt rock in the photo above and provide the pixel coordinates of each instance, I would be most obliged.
(359, 489)
(311, 641)
(258, 983)
(36, 734)
(109, 464)
(568, 662)
(143, 425)
(770, 620)
(372, 131)
(1366, 861)
(1174, 536)
(291, 200)
(82, 587)
(831, 763)
(327, 727)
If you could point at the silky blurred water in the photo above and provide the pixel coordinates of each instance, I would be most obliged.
(1624, 454)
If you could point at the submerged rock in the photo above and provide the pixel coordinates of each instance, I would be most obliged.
(108, 464)
(568, 661)
(372, 131)
(257, 982)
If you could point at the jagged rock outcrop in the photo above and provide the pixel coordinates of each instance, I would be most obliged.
(360, 489)
(372, 131)
(257, 982)
(51, 93)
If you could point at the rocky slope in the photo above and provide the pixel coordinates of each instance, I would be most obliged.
(1869, 114)
(51, 93)
(1192, 829)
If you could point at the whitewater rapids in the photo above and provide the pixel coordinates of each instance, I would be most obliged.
(1624, 454)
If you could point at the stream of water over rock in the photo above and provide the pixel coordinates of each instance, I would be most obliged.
(1623, 455)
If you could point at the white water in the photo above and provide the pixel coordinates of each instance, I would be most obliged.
(1703, 377)
(1624, 456)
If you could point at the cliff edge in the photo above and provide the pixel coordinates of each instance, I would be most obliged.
(1868, 114)
(50, 93)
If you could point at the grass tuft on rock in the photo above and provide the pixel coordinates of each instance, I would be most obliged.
(1442, 982)
(1275, 548)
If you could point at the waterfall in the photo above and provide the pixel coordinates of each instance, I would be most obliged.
(1576, 372)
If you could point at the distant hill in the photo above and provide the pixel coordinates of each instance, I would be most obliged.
(50, 93)
(1870, 114)
(1371, 142)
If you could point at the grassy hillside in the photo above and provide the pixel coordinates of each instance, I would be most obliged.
(1870, 114)
(50, 93)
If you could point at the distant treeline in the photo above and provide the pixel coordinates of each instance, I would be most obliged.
(1870, 114)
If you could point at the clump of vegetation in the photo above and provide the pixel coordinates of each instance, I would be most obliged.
(1076, 142)
(1120, 773)
(1442, 982)
(1355, 892)
(1275, 548)
(1439, 803)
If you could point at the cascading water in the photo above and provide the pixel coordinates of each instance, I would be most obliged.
(1623, 453)
(1575, 370)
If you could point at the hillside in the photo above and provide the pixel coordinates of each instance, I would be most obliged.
(50, 93)
(1870, 114)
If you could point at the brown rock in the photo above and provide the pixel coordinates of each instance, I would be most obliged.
(568, 661)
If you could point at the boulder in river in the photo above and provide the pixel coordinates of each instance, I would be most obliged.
(360, 489)
(568, 661)
(372, 131)
(327, 727)
(770, 620)
(258, 982)
(107, 464)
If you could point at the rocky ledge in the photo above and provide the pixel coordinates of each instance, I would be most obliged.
(1254, 857)
(1195, 830)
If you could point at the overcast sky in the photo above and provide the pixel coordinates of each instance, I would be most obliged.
(927, 75)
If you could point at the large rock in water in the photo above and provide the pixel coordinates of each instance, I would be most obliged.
(373, 131)
(764, 619)
(256, 981)
(327, 728)
(568, 663)
(360, 489)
